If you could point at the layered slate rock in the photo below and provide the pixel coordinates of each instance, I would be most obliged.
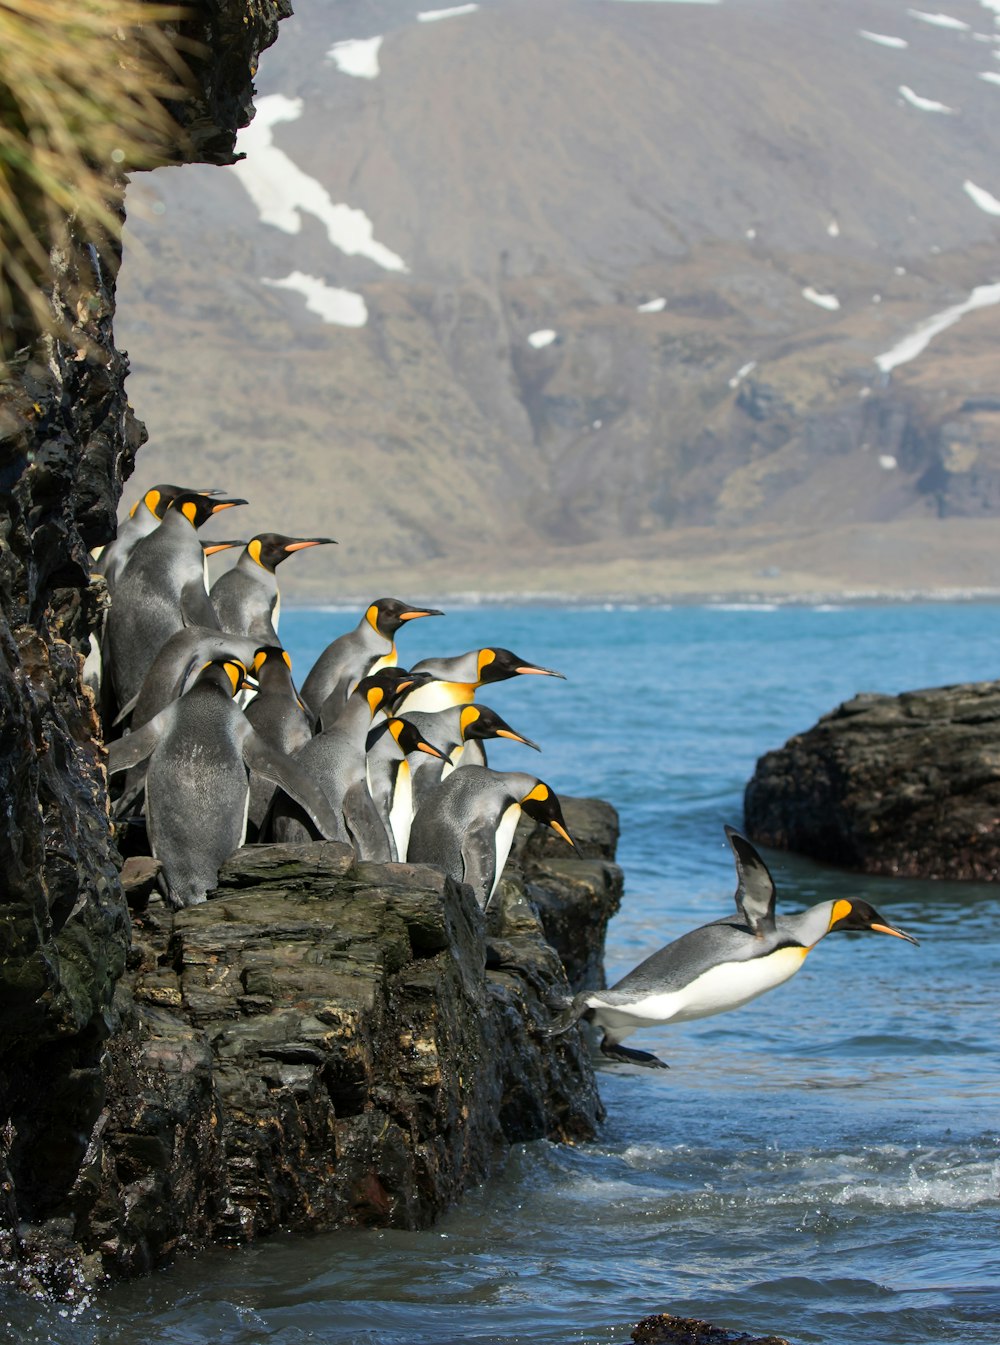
(906, 785)
(327, 1043)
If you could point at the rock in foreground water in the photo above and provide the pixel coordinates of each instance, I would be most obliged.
(906, 785)
(323, 1043)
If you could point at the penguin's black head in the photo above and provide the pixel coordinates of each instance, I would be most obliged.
(858, 915)
(229, 674)
(269, 549)
(198, 508)
(479, 721)
(386, 615)
(541, 805)
(158, 499)
(496, 665)
(408, 737)
(270, 659)
(385, 687)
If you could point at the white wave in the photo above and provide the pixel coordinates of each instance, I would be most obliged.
(983, 296)
(342, 308)
(883, 39)
(743, 607)
(357, 57)
(433, 15)
(539, 340)
(924, 104)
(282, 192)
(983, 199)
(939, 20)
(828, 301)
(957, 1186)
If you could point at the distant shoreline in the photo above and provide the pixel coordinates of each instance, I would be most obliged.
(748, 600)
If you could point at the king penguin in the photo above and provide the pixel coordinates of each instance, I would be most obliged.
(246, 598)
(201, 749)
(466, 825)
(280, 718)
(457, 679)
(335, 760)
(143, 518)
(356, 654)
(161, 589)
(720, 966)
(459, 731)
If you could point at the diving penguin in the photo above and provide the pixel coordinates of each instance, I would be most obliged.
(246, 598)
(720, 966)
(161, 589)
(457, 679)
(356, 654)
(466, 825)
(201, 749)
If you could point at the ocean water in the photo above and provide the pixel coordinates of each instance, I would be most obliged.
(824, 1163)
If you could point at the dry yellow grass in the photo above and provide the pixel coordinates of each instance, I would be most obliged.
(83, 85)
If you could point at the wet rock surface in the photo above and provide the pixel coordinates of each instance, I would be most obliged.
(322, 1043)
(666, 1329)
(906, 785)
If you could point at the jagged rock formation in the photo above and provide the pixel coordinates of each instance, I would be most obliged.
(906, 785)
(67, 440)
(326, 1043)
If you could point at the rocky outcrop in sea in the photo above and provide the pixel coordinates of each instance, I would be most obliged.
(906, 785)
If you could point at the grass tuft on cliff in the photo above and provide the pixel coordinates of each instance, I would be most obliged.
(85, 87)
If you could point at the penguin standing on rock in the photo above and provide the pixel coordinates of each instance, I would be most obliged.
(280, 718)
(466, 825)
(161, 589)
(143, 518)
(720, 966)
(457, 679)
(461, 731)
(246, 598)
(356, 654)
(201, 749)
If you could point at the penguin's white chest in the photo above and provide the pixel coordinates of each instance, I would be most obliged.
(433, 696)
(503, 839)
(401, 808)
(727, 986)
(456, 758)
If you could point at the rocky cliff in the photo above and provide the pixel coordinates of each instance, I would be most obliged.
(906, 785)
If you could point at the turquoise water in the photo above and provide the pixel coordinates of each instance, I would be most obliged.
(824, 1163)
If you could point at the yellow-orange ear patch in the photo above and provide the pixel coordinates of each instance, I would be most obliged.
(468, 717)
(371, 616)
(539, 794)
(190, 511)
(841, 909)
(253, 550)
(486, 657)
(288, 659)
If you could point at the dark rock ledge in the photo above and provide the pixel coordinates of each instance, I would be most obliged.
(906, 785)
(323, 1043)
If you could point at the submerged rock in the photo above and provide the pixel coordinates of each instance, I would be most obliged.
(326, 1043)
(906, 785)
(666, 1329)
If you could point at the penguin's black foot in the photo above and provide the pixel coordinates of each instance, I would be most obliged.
(630, 1057)
(569, 1017)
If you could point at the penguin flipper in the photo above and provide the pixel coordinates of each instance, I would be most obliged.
(196, 606)
(755, 888)
(365, 826)
(632, 1057)
(479, 862)
(282, 770)
(124, 753)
